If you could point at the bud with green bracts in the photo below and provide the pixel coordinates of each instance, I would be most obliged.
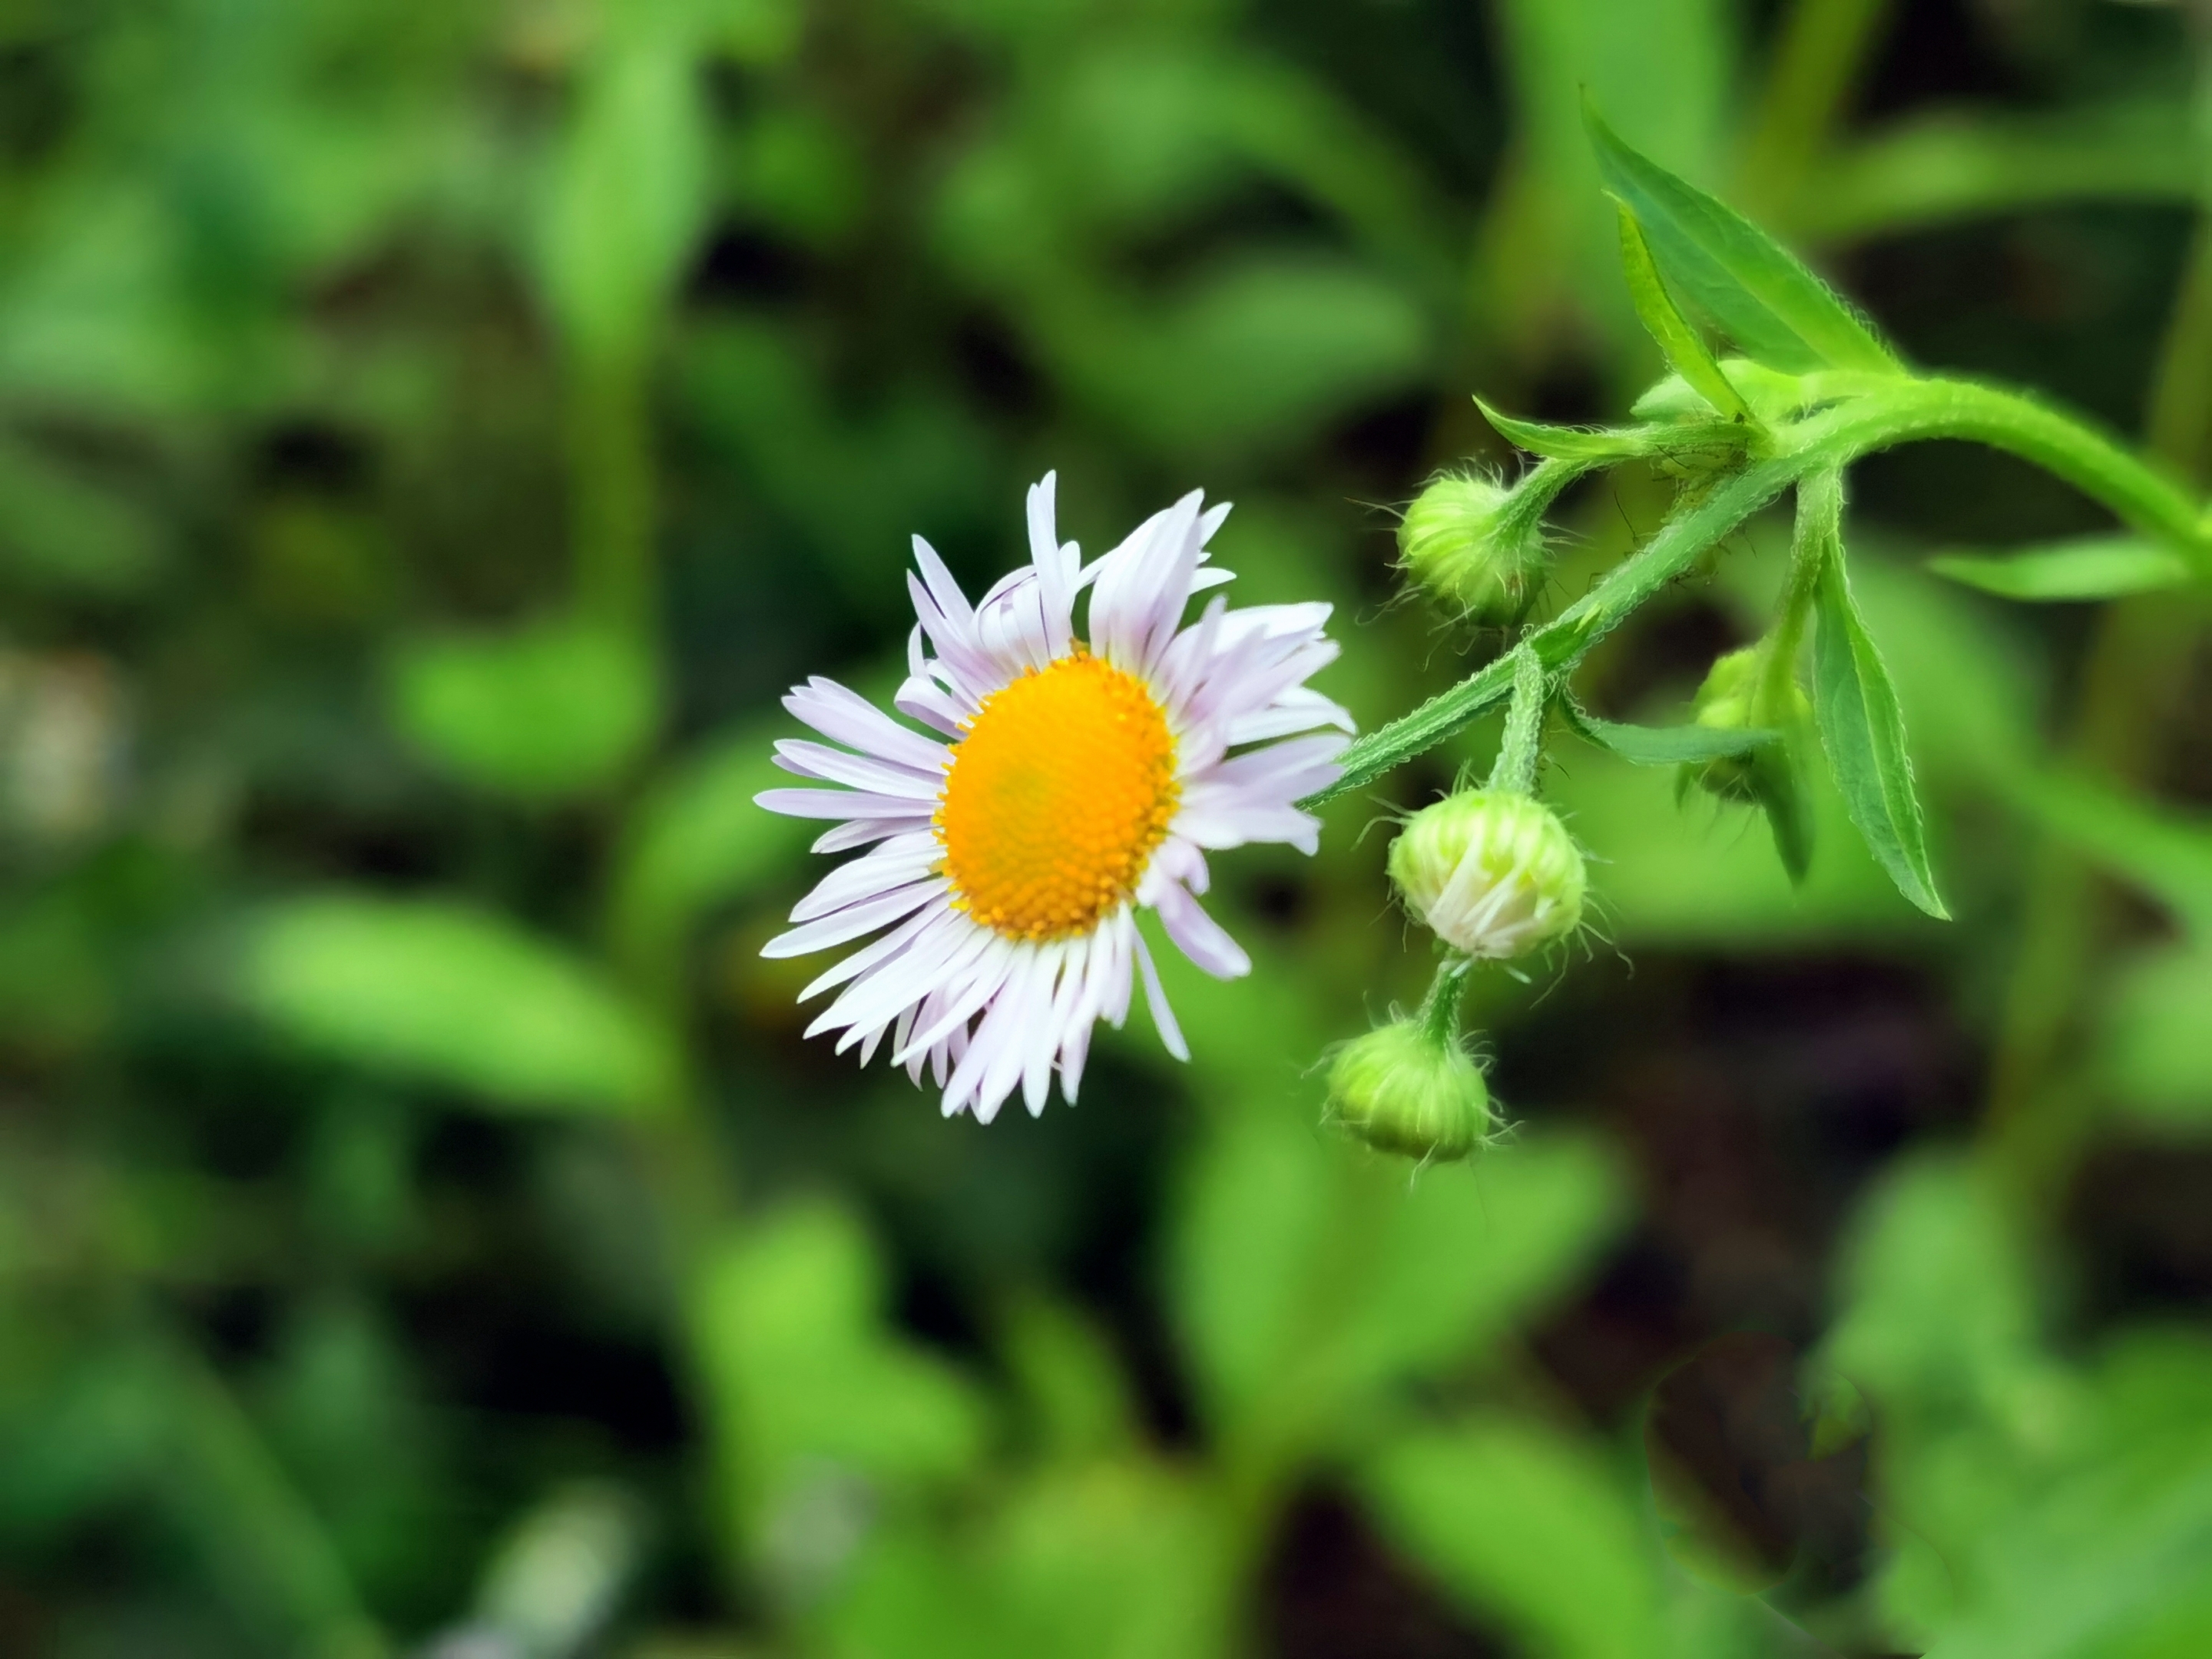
(1739, 695)
(1751, 689)
(1410, 1088)
(1492, 871)
(1476, 547)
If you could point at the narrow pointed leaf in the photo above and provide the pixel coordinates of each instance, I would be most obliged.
(2092, 568)
(1666, 745)
(1766, 301)
(2166, 853)
(1779, 789)
(1571, 443)
(1862, 729)
(1684, 349)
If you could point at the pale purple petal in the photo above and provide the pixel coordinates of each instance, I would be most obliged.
(850, 924)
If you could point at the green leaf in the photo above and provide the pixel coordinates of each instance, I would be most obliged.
(1667, 71)
(1685, 350)
(455, 997)
(1688, 878)
(697, 840)
(1666, 745)
(1773, 396)
(2151, 1051)
(1252, 1235)
(1766, 301)
(2166, 853)
(1863, 729)
(1603, 445)
(1939, 1295)
(1953, 166)
(2092, 567)
(1451, 1269)
(628, 192)
(1307, 1284)
(1252, 354)
(62, 530)
(1779, 789)
(807, 1380)
(1519, 1524)
(553, 709)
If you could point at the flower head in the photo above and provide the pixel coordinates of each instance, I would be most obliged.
(1410, 1088)
(1493, 871)
(1475, 546)
(1738, 693)
(1069, 780)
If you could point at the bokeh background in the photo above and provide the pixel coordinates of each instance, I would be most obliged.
(432, 434)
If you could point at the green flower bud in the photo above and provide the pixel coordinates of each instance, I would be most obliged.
(1469, 545)
(1494, 872)
(1739, 693)
(1409, 1089)
(1730, 700)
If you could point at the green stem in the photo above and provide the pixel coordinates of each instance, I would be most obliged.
(1888, 415)
(2133, 659)
(1439, 1012)
(1515, 768)
(1819, 533)
(611, 463)
(2179, 426)
(265, 1539)
(1821, 48)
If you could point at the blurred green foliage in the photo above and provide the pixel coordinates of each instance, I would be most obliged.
(431, 435)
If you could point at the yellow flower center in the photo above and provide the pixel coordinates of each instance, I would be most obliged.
(1056, 797)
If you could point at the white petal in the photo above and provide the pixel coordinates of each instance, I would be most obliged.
(839, 804)
(848, 925)
(1288, 769)
(995, 1038)
(819, 759)
(845, 716)
(1156, 1000)
(950, 601)
(863, 878)
(940, 954)
(1198, 936)
(1042, 1040)
(962, 999)
(1219, 827)
(1015, 1017)
(860, 831)
(875, 951)
(1295, 710)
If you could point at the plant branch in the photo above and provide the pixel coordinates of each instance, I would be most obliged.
(1515, 768)
(1886, 414)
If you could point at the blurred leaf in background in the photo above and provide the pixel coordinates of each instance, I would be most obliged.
(433, 436)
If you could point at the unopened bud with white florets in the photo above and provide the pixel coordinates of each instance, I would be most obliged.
(1492, 871)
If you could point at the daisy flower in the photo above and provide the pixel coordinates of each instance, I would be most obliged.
(1072, 780)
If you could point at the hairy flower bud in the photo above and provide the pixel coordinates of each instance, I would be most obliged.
(1408, 1089)
(1730, 700)
(1467, 543)
(1494, 872)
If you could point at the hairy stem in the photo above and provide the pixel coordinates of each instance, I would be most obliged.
(1820, 515)
(2135, 659)
(1439, 1014)
(1524, 726)
(1889, 414)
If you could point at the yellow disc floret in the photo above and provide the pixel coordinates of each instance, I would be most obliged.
(1057, 795)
